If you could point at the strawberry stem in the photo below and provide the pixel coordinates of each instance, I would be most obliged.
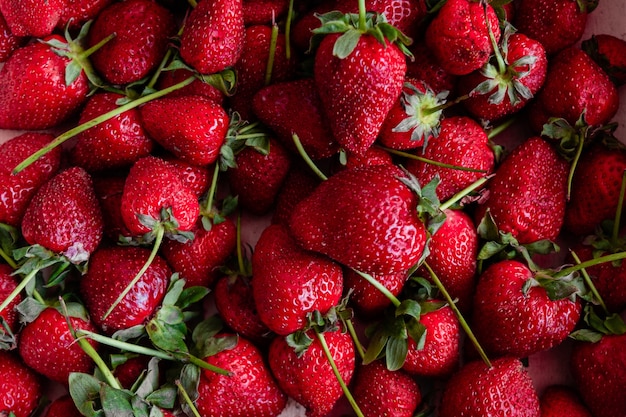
(288, 31)
(270, 59)
(357, 343)
(307, 159)
(16, 291)
(344, 387)
(8, 259)
(618, 211)
(591, 285)
(430, 161)
(572, 169)
(362, 16)
(501, 128)
(458, 314)
(463, 193)
(380, 287)
(187, 399)
(208, 208)
(592, 262)
(496, 50)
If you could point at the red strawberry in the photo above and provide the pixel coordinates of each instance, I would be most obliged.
(111, 269)
(511, 319)
(426, 69)
(129, 371)
(192, 128)
(358, 84)
(21, 388)
(290, 282)
(142, 28)
(32, 18)
(62, 407)
(47, 345)
(367, 299)
(599, 372)
(504, 389)
(458, 35)
(113, 144)
(250, 389)
(562, 400)
(381, 392)
(16, 190)
(64, 216)
(78, 12)
(8, 41)
(307, 376)
(34, 92)
(213, 36)
(460, 142)
(298, 184)
(197, 87)
(364, 218)
(109, 189)
(260, 12)
(609, 52)
(527, 195)
(372, 156)
(8, 315)
(196, 178)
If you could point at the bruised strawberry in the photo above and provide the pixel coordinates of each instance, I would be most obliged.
(32, 18)
(559, 400)
(21, 388)
(609, 52)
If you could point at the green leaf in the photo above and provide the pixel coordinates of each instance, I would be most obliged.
(150, 380)
(174, 290)
(586, 335)
(376, 345)
(134, 332)
(72, 72)
(206, 329)
(164, 397)
(85, 391)
(191, 295)
(115, 402)
(410, 308)
(168, 337)
(30, 309)
(299, 341)
(417, 331)
(395, 352)
(346, 43)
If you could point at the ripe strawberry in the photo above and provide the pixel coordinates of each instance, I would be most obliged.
(129, 371)
(110, 271)
(113, 144)
(381, 392)
(17, 189)
(197, 87)
(21, 388)
(460, 142)
(143, 29)
(470, 391)
(367, 299)
(527, 195)
(260, 12)
(298, 184)
(290, 282)
(195, 178)
(458, 35)
(32, 18)
(358, 83)
(307, 377)
(250, 389)
(64, 216)
(34, 93)
(562, 400)
(79, 12)
(109, 189)
(8, 315)
(426, 69)
(372, 156)
(62, 407)
(47, 345)
(364, 218)
(609, 52)
(599, 372)
(557, 24)
(8, 41)
(510, 319)
(213, 36)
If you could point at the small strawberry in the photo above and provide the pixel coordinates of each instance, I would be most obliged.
(79, 12)
(458, 35)
(213, 36)
(17, 189)
(260, 12)
(31, 17)
(21, 388)
(130, 370)
(369, 301)
(560, 400)
(62, 407)
(609, 52)
(470, 391)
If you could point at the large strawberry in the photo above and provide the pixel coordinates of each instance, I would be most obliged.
(359, 75)
(32, 17)
(21, 388)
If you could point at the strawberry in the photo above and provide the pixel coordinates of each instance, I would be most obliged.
(32, 18)
(17, 189)
(559, 400)
(8, 41)
(195, 178)
(527, 195)
(307, 376)
(109, 189)
(458, 35)
(298, 184)
(470, 391)
(364, 218)
(290, 282)
(64, 216)
(557, 24)
(113, 144)
(372, 156)
(367, 299)
(260, 12)
(46, 345)
(62, 407)
(110, 271)
(461, 142)
(213, 35)
(197, 87)
(142, 28)
(427, 70)
(34, 92)
(513, 317)
(381, 392)
(21, 388)
(130, 370)
(8, 315)
(249, 390)
(609, 52)
(599, 373)
(358, 83)
(79, 12)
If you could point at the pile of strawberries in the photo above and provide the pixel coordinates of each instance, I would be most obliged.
(271, 207)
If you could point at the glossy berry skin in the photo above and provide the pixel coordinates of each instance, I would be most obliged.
(290, 282)
(64, 215)
(609, 52)
(62, 407)
(16, 190)
(250, 390)
(20, 387)
(308, 378)
(47, 346)
(8, 41)
(599, 372)
(367, 299)
(562, 400)
(364, 218)
(509, 322)
(471, 391)
(31, 17)
(8, 283)
(111, 269)
(77, 12)
(197, 87)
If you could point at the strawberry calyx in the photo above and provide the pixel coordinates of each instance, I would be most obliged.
(242, 134)
(587, 6)
(9, 236)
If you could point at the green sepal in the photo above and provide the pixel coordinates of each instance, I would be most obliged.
(9, 237)
(205, 342)
(8, 340)
(299, 341)
(116, 403)
(395, 353)
(189, 381)
(85, 391)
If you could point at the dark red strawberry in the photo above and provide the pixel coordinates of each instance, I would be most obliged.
(562, 400)
(130, 370)
(32, 18)
(143, 29)
(21, 388)
(62, 407)
(426, 69)
(113, 144)
(8, 41)
(213, 36)
(372, 156)
(17, 189)
(470, 391)
(197, 87)
(260, 12)
(8, 315)
(458, 35)
(109, 189)
(298, 184)
(79, 12)
(196, 178)
(609, 52)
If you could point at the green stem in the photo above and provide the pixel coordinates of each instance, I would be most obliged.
(344, 387)
(208, 208)
(187, 399)
(618, 211)
(355, 338)
(362, 16)
(272, 55)
(307, 159)
(18, 289)
(501, 127)
(192, 3)
(8, 259)
(38, 297)
(59, 140)
(430, 161)
(242, 268)
(463, 193)
(380, 287)
(496, 50)
(82, 57)
(102, 366)
(591, 262)
(572, 169)
(591, 285)
(430, 110)
(288, 31)
(458, 314)
(155, 248)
